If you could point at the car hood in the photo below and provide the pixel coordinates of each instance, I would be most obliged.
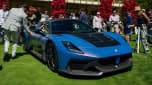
(97, 44)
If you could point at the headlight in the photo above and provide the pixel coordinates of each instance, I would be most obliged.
(71, 47)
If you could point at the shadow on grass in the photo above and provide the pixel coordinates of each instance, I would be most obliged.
(22, 54)
(18, 55)
(133, 40)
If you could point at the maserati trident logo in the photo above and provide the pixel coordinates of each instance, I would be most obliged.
(116, 50)
(117, 62)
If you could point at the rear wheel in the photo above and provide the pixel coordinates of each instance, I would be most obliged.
(52, 59)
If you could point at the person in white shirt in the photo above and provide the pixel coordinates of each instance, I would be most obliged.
(72, 16)
(46, 15)
(97, 22)
(16, 18)
(3, 14)
(114, 20)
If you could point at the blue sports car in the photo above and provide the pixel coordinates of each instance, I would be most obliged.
(72, 47)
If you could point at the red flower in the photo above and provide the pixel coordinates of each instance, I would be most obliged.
(58, 7)
(130, 6)
(3, 2)
(105, 9)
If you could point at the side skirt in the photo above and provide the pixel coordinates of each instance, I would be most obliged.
(36, 54)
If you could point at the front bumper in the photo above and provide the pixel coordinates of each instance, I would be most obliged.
(99, 67)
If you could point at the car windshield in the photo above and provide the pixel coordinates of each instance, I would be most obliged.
(69, 26)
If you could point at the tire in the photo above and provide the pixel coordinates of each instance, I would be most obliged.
(52, 59)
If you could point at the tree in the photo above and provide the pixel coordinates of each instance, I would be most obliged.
(145, 4)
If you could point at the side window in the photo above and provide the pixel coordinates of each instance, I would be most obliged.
(83, 26)
(80, 27)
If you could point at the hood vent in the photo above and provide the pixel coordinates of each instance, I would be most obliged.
(98, 39)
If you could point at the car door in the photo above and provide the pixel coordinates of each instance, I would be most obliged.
(39, 38)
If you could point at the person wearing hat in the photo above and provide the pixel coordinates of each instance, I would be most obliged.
(97, 22)
(16, 18)
(142, 21)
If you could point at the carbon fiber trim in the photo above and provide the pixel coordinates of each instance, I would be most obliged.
(98, 39)
(99, 67)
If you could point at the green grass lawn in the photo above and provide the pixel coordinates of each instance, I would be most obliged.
(26, 70)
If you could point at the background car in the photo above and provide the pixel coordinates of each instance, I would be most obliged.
(72, 47)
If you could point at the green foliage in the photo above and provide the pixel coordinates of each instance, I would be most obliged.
(145, 4)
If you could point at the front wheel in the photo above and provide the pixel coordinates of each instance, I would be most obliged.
(52, 59)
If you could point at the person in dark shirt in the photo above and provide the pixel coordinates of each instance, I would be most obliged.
(38, 15)
(149, 36)
(128, 24)
(83, 16)
(142, 20)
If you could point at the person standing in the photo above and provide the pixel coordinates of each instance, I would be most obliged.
(32, 18)
(16, 18)
(72, 16)
(61, 16)
(128, 24)
(46, 15)
(149, 36)
(83, 16)
(97, 22)
(3, 14)
(38, 15)
(114, 20)
(142, 20)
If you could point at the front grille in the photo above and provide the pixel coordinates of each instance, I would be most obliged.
(77, 65)
(112, 60)
(101, 65)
